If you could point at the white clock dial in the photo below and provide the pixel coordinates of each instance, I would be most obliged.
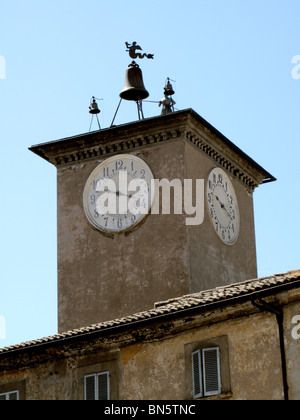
(223, 206)
(118, 195)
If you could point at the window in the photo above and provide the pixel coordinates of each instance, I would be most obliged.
(98, 378)
(206, 372)
(96, 387)
(10, 396)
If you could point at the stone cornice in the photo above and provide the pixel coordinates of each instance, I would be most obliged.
(186, 124)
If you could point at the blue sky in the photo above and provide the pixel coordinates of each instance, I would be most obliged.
(232, 63)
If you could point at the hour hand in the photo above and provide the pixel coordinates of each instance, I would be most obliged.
(120, 193)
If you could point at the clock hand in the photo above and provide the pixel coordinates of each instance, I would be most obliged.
(223, 206)
(118, 193)
(126, 195)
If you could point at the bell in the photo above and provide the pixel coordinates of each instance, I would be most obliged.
(169, 88)
(94, 107)
(134, 89)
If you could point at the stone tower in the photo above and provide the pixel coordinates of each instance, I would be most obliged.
(103, 276)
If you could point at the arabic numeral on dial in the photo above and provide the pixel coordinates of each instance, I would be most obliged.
(120, 223)
(93, 199)
(96, 214)
(143, 173)
(133, 219)
(106, 172)
(119, 165)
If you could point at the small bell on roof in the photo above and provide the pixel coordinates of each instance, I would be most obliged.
(169, 88)
(94, 107)
(167, 102)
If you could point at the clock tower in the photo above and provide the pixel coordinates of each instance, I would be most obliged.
(113, 266)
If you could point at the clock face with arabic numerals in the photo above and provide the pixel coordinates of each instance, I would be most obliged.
(117, 195)
(223, 206)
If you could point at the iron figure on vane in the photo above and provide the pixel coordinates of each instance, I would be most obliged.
(132, 51)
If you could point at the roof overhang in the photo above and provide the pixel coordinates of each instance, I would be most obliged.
(127, 138)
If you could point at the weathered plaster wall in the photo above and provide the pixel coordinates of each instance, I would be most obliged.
(152, 365)
(102, 278)
(212, 263)
(158, 368)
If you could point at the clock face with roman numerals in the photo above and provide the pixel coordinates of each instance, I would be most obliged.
(223, 206)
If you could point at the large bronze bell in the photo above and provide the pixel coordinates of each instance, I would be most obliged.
(134, 89)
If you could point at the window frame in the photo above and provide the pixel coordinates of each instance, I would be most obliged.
(222, 342)
(96, 376)
(15, 386)
(93, 364)
(7, 395)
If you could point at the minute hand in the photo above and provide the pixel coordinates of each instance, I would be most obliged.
(223, 206)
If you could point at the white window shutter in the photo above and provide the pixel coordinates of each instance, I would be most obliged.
(13, 396)
(103, 386)
(90, 388)
(211, 371)
(197, 374)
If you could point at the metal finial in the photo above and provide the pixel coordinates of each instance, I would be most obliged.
(94, 110)
(167, 102)
(94, 106)
(169, 88)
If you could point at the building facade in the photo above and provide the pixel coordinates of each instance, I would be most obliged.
(158, 309)
(225, 343)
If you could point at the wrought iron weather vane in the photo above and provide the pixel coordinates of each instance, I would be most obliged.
(132, 51)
